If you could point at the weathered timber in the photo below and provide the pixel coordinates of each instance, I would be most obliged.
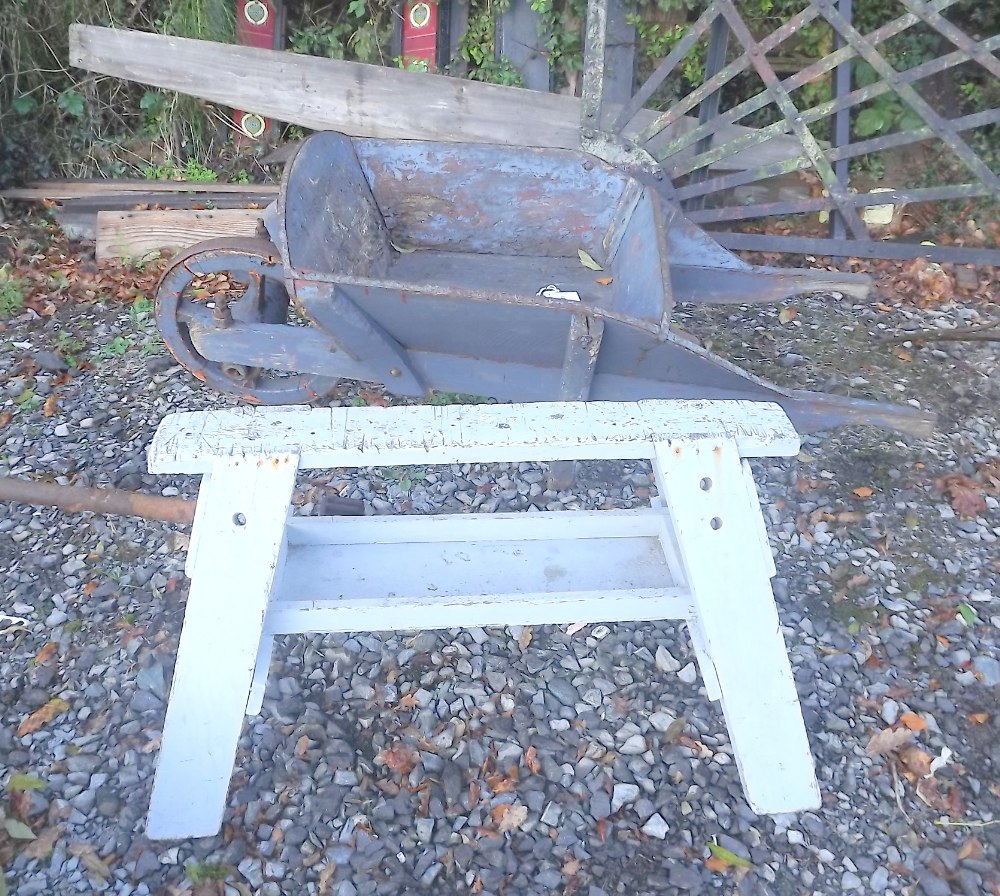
(59, 190)
(365, 100)
(135, 234)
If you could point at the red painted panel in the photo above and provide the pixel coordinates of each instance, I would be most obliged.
(420, 30)
(257, 25)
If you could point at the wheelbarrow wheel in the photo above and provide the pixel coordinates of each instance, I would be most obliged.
(240, 280)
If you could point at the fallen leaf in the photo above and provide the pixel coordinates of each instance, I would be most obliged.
(717, 865)
(399, 757)
(730, 858)
(91, 860)
(512, 818)
(5, 418)
(968, 615)
(916, 761)
(902, 353)
(302, 746)
(46, 653)
(605, 281)
(407, 701)
(51, 405)
(571, 867)
(25, 782)
(531, 762)
(525, 637)
(587, 260)
(575, 627)
(971, 849)
(964, 493)
(501, 783)
(41, 847)
(373, 398)
(41, 717)
(912, 721)
(979, 718)
(863, 491)
(602, 829)
(883, 743)
(18, 830)
(787, 315)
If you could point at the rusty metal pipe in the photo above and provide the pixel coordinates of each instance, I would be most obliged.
(125, 503)
(98, 500)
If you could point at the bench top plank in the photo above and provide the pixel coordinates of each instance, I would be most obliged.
(191, 442)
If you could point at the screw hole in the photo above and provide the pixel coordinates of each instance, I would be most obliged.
(716, 522)
(239, 519)
(705, 484)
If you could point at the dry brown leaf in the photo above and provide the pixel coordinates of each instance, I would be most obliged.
(713, 863)
(912, 721)
(787, 315)
(46, 653)
(513, 818)
(531, 762)
(501, 783)
(527, 633)
(407, 701)
(916, 761)
(902, 353)
(41, 847)
(41, 717)
(965, 494)
(571, 867)
(863, 491)
(605, 281)
(302, 746)
(51, 405)
(979, 718)
(399, 757)
(891, 740)
(91, 860)
(971, 849)
(5, 418)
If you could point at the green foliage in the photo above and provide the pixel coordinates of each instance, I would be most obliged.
(68, 347)
(358, 30)
(12, 291)
(25, 782)
(205, 872)
(116, 348)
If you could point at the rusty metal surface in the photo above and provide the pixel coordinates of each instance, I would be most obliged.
(77, 499)
(480, 309)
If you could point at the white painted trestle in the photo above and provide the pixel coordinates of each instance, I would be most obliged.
(701, 556)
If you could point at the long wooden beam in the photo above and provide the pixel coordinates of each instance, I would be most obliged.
(358, 99)
(136, 234)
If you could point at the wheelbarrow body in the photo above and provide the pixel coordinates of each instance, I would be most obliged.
(519, 274)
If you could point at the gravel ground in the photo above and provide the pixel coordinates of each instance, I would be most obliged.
(508, 761)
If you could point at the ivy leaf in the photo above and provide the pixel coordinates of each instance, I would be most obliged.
(151, 101)
(24, 104)
(870, 121)
(71, 102)
(357, 8)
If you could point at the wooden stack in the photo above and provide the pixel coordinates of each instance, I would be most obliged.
(131, 218)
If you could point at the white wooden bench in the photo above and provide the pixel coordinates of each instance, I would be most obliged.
(701, 556)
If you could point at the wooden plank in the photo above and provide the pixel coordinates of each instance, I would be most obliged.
(242, 536)
(363, 100)
(135, 234)
(74, 189)
(188, 442)
(740, 639)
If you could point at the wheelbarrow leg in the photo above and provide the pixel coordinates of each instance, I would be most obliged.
(583, 345)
